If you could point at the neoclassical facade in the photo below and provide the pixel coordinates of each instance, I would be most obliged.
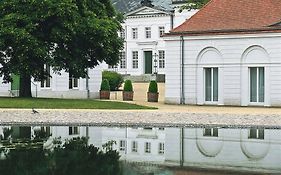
(234, 60)
(144, 48)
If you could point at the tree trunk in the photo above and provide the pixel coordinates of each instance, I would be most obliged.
(25, 85)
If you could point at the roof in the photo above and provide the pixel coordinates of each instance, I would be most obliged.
(228, 16)
(125, 6)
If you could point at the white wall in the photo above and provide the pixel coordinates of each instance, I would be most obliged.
(233, 55)
(60, 86)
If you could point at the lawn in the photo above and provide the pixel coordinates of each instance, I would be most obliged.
(47, 103)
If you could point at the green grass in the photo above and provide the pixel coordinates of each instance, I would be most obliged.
(47, 103)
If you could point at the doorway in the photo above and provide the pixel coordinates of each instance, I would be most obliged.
(148, 62)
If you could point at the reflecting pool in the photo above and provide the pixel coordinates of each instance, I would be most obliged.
(83, 150)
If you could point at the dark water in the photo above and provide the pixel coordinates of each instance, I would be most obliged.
(59, 150)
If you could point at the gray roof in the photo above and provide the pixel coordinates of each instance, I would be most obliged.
(125, 6)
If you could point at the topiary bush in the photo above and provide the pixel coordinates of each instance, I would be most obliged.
(153, 88)
(128, 87)
(115, 79)
(105, 85)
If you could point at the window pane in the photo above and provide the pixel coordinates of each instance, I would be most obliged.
(215, 84)
(261, 84)
(207, 132)
(261, 134)
(215, 132)
(253, 84)
(208, 84)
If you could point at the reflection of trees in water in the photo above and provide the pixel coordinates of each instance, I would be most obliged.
(24, 156)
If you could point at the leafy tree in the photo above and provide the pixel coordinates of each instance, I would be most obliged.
(194, 4)
(70, 35)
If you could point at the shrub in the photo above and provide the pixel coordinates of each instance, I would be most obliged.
(153, 88)
(105, 85)
(128, 87)
(115, 79)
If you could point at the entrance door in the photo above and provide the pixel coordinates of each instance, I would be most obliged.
(148, 62)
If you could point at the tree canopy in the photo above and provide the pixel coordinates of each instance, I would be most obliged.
(70, 35)
(194, 4)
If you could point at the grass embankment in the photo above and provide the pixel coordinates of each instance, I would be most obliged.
(46, 103)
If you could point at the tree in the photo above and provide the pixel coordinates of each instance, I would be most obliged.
(194, 4)
(70, 35)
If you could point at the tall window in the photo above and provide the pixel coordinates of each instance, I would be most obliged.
(211, 132)
(122, 145)
(161, 148)
(211, 84)
(257, 84)
(134, 146)
(122, 34)
(135, 33)
(256, 134)
(73, 130)
(148, 32)
(161, 59)
(123, 62)
(135, 60)
(147, 147)
(47, 82)
(73, 82)
(161, 31)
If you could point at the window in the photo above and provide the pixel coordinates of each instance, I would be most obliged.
(148, 32)
(211, 84)
(73, 82)
(257, 84)
(211, 132)
(122, 34)
(161, 129)
(122, 145)
(134, 146)
(161, 31)
(123, 62)
(73, 130)
(147, 147)
(161, 148)
(256, 134)
(135, 33)
(47, 82)
(135, 60)
(161, 59)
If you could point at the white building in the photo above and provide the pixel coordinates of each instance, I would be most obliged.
(144, 50)
(221, 148)
(59, 86)
(228, 53)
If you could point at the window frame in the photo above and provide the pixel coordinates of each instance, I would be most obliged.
(257, 102)
(44, 82)
(134, 147)
(122, 145)
(134, 33)
(258, 134)
(123, 60)
(135, 59)
(71, 83)
(161, 59)
(148, 33)
(212, 101)
(161, 148)
(214, 132)
(73, 130)
(147, 147)
(161, 30)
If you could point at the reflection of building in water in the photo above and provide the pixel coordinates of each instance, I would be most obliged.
(197, 147)
(222, 148)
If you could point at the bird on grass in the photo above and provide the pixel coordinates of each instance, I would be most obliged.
(34, 111)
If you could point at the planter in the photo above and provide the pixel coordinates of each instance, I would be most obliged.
(128, 95)
(104, 95)
(152, 97)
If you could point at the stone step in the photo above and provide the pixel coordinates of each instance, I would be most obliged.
(145, 78)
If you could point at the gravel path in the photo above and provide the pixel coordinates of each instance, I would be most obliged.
(132, 118)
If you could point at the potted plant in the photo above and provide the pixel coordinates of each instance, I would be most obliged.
(152, 94)
(128, 93)
(104, 89)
